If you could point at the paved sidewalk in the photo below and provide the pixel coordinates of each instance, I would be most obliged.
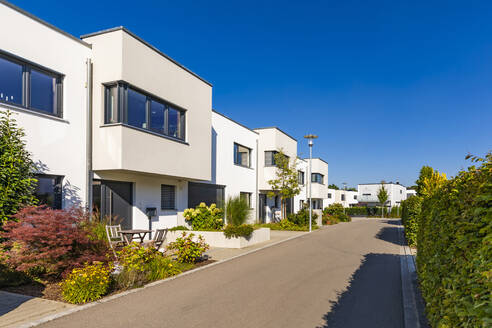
(16, 309)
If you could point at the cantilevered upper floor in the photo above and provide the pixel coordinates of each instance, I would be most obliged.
(150, 114)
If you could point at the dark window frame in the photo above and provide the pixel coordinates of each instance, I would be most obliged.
(27, 67)
(272, 162)
(236, 153)
(167, 206)
(300, 177)
(58, 194)
(315, 176)
(122, 110)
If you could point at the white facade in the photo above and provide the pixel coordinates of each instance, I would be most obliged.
(319, 184)
(368, 194)
(347, 198)
(411, 192)
(230, 168)
(57, 143)
(271, 140)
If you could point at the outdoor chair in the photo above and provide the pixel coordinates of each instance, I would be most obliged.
(115, 237)
(159, 237)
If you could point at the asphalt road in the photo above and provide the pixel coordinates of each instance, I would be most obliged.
(346, 275)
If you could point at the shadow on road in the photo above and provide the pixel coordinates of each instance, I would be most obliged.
(388, 234)
(396, 222)
(373, 298)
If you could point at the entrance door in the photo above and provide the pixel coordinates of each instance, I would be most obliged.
(114, 199)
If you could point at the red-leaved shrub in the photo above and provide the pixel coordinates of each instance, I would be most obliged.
(48, 243)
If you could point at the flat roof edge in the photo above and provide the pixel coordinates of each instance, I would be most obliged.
(234, 121)
(274, 127)
(124, 29)
(39, 20)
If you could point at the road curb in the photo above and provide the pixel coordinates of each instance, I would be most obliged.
(408, 280)
(155, 283)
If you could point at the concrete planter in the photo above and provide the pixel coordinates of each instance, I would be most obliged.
(218, 239)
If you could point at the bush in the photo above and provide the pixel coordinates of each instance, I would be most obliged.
(17, 181)
(204, 217)
(161, 267)
(135, 260)
(179, 228)
(237, 211)
(187, 250)
(301, 218)
(334, 214)
(410, 211)
(47, 243)
(86, 284)
(244, 230)
(454, 241)
(285, 225)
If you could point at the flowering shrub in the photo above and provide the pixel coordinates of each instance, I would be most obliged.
(204, 217)
(162, 267)
(136, 257)
(46, 243)
(187, 250)
(86, 284)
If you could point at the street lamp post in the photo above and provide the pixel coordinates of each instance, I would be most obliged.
(310, 138)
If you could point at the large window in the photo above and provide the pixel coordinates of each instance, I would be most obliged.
(125, 104)
(168, 197)
(29, 86)
(317, 178)
(49, 190)
(300, 177)
(242, 155)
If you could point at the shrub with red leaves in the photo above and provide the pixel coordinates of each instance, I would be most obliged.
(48, 243)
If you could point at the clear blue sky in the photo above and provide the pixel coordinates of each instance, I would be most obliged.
(388, 86)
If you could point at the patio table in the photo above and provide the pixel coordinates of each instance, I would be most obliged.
(129, 235)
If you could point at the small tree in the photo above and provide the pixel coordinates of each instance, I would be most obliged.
(286, 184)
(333, 186)
(383, 198)
(17, 182)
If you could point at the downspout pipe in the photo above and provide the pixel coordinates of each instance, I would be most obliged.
(88, 147)
(257, 191)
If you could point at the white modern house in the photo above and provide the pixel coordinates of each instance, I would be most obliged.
(368, 194)
(117, 126)
(44, 74)
(330, 199)
(234, 163)
(270, 141)
(347, 198)
(151, 131)
(411, 192)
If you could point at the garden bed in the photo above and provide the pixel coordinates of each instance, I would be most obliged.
(218, 239)
(51, 290)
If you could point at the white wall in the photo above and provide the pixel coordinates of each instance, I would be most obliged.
(368, 193)
(236, 178)
(120, 56)
(58, 145)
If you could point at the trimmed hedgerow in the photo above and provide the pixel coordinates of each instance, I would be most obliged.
(455, 249)
(410, 210)
(243, 230)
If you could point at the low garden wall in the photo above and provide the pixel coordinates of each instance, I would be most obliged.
(218, 239)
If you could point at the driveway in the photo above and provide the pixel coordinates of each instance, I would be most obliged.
(347, 275)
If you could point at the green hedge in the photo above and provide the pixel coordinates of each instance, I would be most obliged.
(410, 210)
(454, 255)
(372, 212)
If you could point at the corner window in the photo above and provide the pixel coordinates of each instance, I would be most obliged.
(317, 178)
(168, 197)
(48, 190)
(124, 104)
(29, 86)
(300, 177)
(247, 197)
(270, 157)
(242, 155)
